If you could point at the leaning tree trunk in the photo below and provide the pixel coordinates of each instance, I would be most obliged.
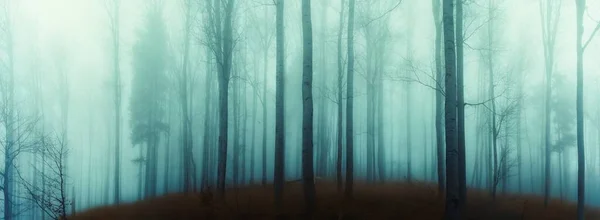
(452, 153)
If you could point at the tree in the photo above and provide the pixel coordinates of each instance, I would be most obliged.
(11, 148)
(113, 10)
(581, 46)
(550, 13)
(340, 78)
(149, 92)
(350, 104)
(51, 198)
(307, 110)
(439, 132)
(221, 43)
(184, 95)
(452, 151)
(279, 174)
(462, 163)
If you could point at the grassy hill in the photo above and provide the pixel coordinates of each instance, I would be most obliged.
(417, 201)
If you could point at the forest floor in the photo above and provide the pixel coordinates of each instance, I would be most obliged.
(418, 201)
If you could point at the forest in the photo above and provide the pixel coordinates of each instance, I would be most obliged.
(299, 109)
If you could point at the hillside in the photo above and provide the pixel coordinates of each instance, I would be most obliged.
(390, 201)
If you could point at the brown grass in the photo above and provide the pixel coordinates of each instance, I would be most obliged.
(417, 201)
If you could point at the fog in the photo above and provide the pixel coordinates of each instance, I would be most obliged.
(58, 89)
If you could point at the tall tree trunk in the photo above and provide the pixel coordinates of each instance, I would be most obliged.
(439, 132)
(580, 131)
(254, 119)
(225, 71)
(380, 131)
(493, 126)
(117, 77)
(350, 105)
(307, 110)
(236, 127)
(462, 161)
(206, 152)
(264, 122)
(408, 133)
(184, 101)
(279, 172)
(340, 101)
(549, 21)
(452, 152)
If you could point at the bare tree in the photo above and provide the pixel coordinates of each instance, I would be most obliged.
(52, 197)
(581, 46)
(113, 8)
(340, 78)
(307, 109)
(350, 105)
(439, 132)
(279, 174)
(452, 152)
(550, 13)
(221, 43)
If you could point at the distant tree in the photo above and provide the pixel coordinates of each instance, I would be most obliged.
(148, 93)
(185, 99)
(581, 46)
(113, 8)
(550, 14)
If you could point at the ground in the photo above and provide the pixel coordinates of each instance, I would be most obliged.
(417, 201)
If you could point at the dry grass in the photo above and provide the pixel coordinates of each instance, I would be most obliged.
(417, 201)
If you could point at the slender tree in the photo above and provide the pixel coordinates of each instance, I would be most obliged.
(307, 109)
(439, 132)
(222, 45)
(550, 13)
(113, 8)
(462, 163)
(340, 78)
(279, 109)
(452, 152)
(350, 104)
(581, 46)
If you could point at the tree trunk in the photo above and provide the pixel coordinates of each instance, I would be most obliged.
(279, 172)
(225, 71)
(462, 161)
(452, 154)
(185, 116)
(350, 105)
(207, 125)
(439, 132)
(580, 131)
(264, 122)
(307, 110)
(340, 77)
(117, 76)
